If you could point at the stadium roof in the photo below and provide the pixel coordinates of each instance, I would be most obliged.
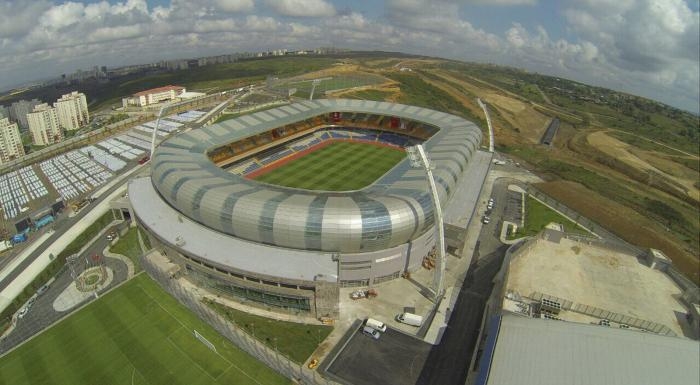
(528, 351)
(222, 250)
(394, 210)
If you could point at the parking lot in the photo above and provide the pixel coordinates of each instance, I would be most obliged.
(513, 210)
(76, 173)
(395, 358)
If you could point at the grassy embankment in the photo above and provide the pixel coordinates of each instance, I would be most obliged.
(295, 340)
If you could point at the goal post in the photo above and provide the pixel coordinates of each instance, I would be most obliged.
(205, 341)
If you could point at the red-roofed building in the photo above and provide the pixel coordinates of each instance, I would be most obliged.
(152, 96)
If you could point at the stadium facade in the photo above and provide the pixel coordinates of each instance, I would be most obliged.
(288, 247)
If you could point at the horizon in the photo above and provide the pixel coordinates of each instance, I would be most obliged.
(638, 48)
(43, 81)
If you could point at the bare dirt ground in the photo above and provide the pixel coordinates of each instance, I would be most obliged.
(529, 122)
(628, 224)
(624, 152)
(390, 87)
(340, 69)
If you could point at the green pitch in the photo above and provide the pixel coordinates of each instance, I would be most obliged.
(136, 334)
(340, 166)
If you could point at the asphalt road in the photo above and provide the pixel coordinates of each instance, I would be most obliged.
(448, 363)
(42, 314)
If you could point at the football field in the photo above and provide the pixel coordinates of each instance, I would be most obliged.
(137, 334)
(339, 166)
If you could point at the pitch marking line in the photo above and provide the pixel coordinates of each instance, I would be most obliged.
(217, 353)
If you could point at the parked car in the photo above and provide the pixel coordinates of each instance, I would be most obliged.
(485, 220)
(42, 289)
(369, 332)
(22, 312)
(376, 325)
(410, 319)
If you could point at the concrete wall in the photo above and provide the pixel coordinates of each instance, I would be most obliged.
(382, 263)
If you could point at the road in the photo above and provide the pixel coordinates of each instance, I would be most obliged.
(42, 313)
(448, 363)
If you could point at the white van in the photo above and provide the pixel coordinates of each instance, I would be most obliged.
(368, 331)
(376, 325)
(410, 319)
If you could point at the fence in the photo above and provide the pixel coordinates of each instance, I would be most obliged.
(605, 314)
(238, 336)
(623, 319)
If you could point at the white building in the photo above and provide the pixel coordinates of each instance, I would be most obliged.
(152, 96)
(43, 125)
(10, 141)
(72, 111)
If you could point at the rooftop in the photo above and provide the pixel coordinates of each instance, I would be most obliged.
(533, 351)
(595, 276)
(159, 89)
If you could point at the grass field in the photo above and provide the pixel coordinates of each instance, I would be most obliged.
(339, 166)
(537, 216)
(295, 340)
(332, 83)
(128, 246)
(136, 334)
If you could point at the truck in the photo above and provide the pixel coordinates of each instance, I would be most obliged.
(77, 206)
(410, 319)
(44, 221)
(19, 238)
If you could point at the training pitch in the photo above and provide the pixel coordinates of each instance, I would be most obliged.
(337, 166)
(137, 334)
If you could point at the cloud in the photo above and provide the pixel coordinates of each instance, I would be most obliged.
(302, 8)
(650, 45)
(234, 6)
(646, 47)
(17, 18)
(501, 3)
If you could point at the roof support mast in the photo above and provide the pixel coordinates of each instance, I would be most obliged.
(166, 107)
(419, 159)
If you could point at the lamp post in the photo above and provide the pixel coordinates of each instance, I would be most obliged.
(419, 159)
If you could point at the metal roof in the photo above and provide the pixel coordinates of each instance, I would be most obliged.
(194, 239)
(532, 351)
(394, 210)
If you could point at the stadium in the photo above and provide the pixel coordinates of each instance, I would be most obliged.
(283, 207)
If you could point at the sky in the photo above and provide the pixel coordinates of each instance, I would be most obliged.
(646, 47)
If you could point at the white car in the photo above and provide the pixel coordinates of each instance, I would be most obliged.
(22, 312)
(485, 220)
(370, 332)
